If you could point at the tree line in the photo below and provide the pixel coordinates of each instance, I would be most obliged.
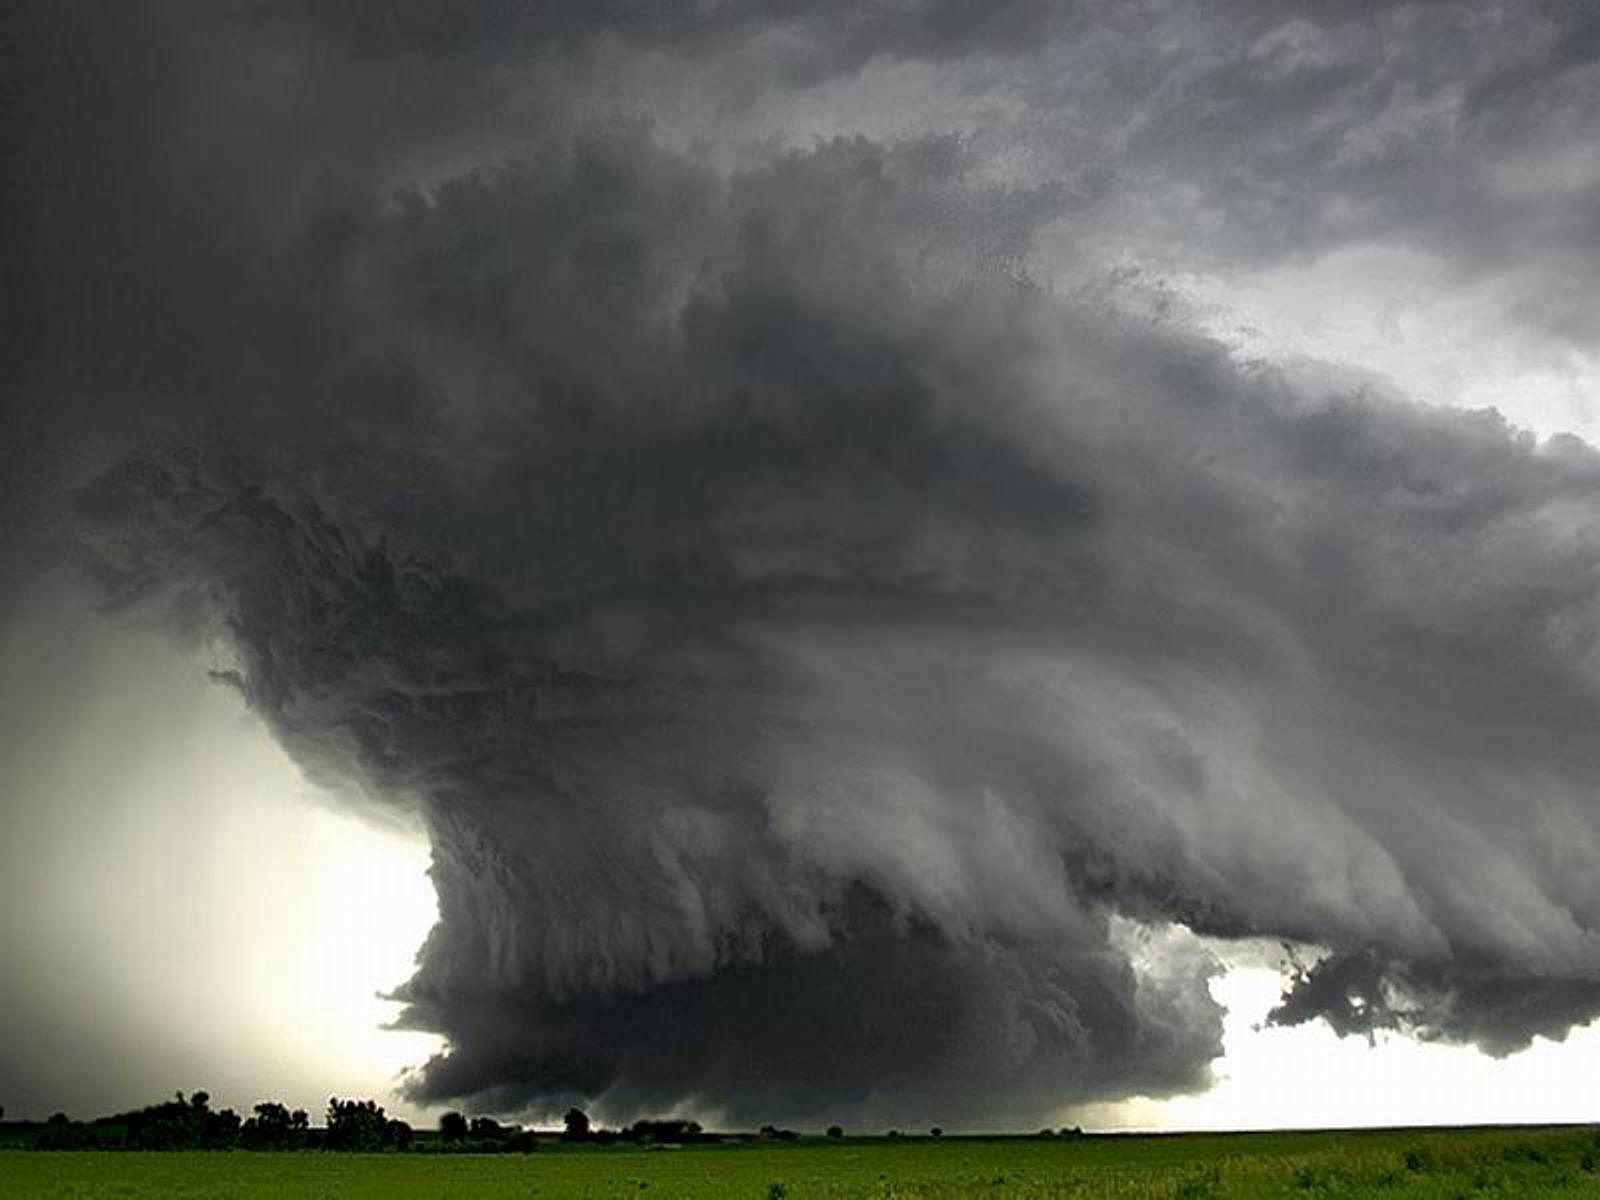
(190, 1123)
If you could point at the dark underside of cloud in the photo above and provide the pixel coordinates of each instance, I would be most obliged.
(824, 658)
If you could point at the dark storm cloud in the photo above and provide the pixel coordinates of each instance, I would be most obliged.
(666, 502)
(815, 38)
(823, 658)
(1242, 135)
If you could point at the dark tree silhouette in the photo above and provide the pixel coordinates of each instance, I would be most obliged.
(189, 1123)
(274, 1127)
(397, 1134)
(487, 1129)
(62, 1133)
(523, 1141)
(670, 1130)
(835, 1132)
(361, 1125)
(577, 1123)
(180, 1124)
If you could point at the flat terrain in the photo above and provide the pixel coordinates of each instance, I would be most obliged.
(1387, 1163)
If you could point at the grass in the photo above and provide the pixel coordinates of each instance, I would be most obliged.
(1436, 1165)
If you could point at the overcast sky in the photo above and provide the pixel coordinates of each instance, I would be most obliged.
(886, 556)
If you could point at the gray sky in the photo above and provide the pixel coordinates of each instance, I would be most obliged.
(870, 544)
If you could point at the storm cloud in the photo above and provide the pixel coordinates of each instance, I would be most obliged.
(833, 630)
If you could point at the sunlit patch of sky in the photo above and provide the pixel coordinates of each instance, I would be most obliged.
(1307, 1076)
(168, 871)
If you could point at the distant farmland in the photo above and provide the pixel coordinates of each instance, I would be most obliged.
(1388, 1163)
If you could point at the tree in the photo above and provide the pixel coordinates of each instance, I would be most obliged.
(219, 1130)
(669, 1129)
(63, 1133)
(397, 1133)
(523, 1141)
(487, 1129)
(356, 1125)
(577, 1123)
(274, 1127)
(181, 1124)
(936, 1131)
(835, 1132)
(452, 1127)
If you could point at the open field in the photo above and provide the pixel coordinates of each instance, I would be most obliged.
(1438, 1164)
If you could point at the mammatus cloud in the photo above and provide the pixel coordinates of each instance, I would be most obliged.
(824, 658)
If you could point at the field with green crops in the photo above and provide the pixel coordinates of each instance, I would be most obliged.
(1389, 1163)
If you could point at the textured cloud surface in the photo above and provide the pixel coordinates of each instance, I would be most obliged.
(826, 659)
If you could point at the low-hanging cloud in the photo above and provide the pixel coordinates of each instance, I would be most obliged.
(826, 660)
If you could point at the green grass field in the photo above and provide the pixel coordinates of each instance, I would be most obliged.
(1389, 1163)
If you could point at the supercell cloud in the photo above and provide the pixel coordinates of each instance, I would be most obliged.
(833, 627)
